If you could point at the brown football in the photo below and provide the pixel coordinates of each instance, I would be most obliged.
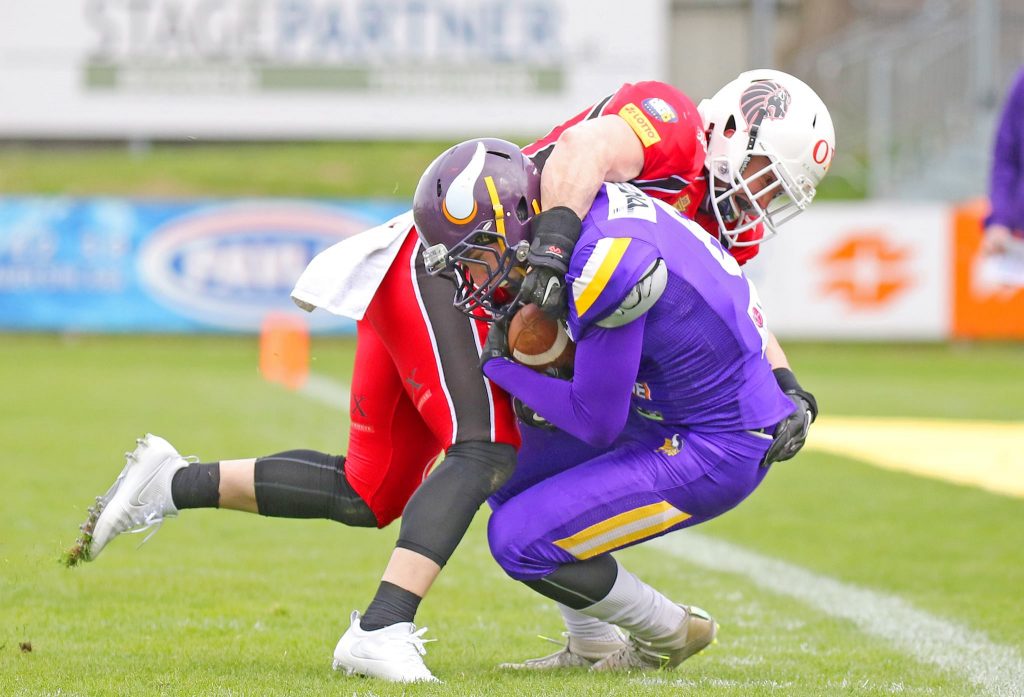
(537, 341)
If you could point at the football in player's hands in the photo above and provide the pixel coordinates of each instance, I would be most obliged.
(538, 341)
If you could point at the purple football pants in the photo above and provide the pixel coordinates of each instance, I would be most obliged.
(569, 501)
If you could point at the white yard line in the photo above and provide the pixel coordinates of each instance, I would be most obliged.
(326, 391)
(969, 653)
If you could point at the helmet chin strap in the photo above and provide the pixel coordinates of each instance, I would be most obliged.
(499, 210)
(728, 211)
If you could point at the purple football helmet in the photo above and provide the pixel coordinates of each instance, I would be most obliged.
(473, 208)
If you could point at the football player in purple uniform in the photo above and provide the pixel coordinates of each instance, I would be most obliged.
(665, 422)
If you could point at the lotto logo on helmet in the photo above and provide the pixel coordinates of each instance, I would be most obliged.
(764, 99)
(660, 109)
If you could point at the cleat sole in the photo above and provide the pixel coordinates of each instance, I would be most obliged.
(81, 550)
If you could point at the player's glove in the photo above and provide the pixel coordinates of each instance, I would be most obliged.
(791, 433)
(496, 345)
(529, 417)
(555, 233)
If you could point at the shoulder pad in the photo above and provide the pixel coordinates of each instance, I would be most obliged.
(641, 298)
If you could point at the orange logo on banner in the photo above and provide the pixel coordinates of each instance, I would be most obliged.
(980, 311)
(866, 270)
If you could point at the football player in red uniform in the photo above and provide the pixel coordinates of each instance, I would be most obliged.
(417, 390)
(765, 131)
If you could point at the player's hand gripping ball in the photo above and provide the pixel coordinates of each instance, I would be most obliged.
(538, 341)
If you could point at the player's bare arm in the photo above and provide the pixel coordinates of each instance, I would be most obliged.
(774, 353)
(588, 154)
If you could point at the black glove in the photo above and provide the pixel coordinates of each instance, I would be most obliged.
(529, 417)
(496, 345)
(555, 233)
(791, 433)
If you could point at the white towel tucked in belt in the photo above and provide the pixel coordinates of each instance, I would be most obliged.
(343, 278)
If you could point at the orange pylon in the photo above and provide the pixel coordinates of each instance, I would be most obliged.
(284, 350)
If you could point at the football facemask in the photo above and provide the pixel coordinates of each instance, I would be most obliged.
(486, 271)
(771, 114)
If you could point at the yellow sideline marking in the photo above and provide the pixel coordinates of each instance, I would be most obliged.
(985, 454)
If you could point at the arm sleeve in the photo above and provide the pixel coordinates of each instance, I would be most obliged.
(594, 405)
(1006, 158)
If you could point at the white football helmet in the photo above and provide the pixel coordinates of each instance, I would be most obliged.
(770, 113)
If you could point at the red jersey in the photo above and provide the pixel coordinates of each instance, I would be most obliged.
(672, 133)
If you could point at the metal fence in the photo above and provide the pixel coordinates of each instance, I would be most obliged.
(915, 102)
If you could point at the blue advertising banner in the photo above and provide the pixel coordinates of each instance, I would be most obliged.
(117, 265)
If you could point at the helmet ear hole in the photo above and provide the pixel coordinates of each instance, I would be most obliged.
(522, 210)
(730, 125)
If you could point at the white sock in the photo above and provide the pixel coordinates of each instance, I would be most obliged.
(587, 628)
(639, 609)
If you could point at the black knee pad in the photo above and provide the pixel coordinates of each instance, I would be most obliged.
(309, 484)
(438, 514)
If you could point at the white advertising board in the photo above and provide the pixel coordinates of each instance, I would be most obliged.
(316, 68)
(859, 271)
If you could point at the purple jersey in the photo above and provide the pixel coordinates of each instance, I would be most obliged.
(702, 362)
(669, 386)
(695, 358)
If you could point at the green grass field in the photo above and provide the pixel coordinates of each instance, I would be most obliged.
(324, 170)
(225, 603)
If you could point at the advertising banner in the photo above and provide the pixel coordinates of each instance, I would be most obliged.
(866, 270)
(860, 271)
(229, 69)
(111, 265)
(989, 289)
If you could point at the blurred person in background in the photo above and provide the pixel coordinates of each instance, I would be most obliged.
(1005, 222)
(417, 390)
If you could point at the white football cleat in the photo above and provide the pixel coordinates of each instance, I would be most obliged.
(391, 653)
(139, 498)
